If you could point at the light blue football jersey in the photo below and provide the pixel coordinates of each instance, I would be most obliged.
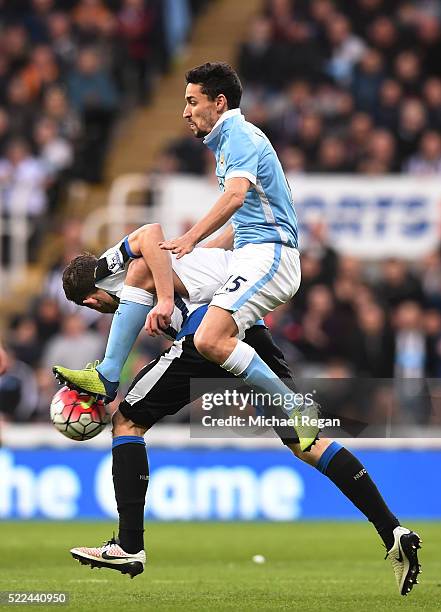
(243, 150)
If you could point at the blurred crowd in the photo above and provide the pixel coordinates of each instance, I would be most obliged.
(343, 86)
(68, 70)
(340, 86)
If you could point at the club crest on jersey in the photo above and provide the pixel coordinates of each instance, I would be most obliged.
(115, 262)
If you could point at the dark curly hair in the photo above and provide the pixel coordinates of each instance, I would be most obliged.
(79, 278)
(217, 78)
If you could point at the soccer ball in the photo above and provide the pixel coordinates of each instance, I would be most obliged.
(79, 416)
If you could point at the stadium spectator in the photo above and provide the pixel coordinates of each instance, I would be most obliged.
(55, 151)
(410, 128)
(292, 159)
(41, 72)
(16, 45)
(308, 136)
(23, 180)
(93, 95)
(88, 344)
(382, 150)
(4, 129)
(373, 347)
(429, 270)
(386, 112)
(432, 99)
(3, 360)
(36, 21)
(48, 318)
(398, 284)
(90, 86)
(346, 49)
(427, 161)
(56, 107)
(62, 40)
(259, 58)
(22, 110)
(91, 18)
(332, 156)
(136, 23)
(24, 341)
(367, 79)
(432, 329)
(18, 391)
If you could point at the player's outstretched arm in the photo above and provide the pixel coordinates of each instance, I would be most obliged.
(230, 201)
(225, 240)
(144, 241)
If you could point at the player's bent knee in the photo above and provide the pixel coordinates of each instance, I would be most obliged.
(312, 457)
(206, 344)
(125, 427)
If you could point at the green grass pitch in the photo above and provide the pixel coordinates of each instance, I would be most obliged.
(208, 566)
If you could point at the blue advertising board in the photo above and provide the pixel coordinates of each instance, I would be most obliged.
(218, 484)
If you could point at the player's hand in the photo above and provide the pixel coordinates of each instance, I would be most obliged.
(179, 246)
(99, 306)
(159, 318)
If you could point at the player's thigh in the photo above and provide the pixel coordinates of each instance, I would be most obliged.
(262, 277)
(167, 384)
(216, 324)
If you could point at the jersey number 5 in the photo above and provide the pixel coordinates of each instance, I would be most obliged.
(234, 284)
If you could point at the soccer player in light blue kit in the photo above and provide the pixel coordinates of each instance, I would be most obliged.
(265, 268)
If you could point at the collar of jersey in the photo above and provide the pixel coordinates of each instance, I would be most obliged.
(234, 112)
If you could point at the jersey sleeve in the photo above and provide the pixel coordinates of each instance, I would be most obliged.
(242, 158)
(114, 260)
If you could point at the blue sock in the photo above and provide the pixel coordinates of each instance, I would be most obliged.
(127, 322)
(261, 378)
(246, 363)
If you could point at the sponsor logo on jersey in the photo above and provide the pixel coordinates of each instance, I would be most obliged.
(115, 262)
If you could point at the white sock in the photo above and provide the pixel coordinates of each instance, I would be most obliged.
(239, 359)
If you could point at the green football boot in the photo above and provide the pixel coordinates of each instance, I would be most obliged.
(306, 425)
(89, 380)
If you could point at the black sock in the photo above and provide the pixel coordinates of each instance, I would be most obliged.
(130, 471)
(351, 477)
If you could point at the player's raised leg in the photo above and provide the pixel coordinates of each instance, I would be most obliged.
(136, 301)
(216, 340)
(353, 480)
(130, 471)
(134, 305)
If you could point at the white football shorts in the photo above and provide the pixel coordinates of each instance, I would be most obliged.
(202, 272)
(249, 282)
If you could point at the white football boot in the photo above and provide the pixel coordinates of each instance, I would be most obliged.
(404, 558)
(112, 556)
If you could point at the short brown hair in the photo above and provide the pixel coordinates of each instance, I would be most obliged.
(217, 78)
(79, 278)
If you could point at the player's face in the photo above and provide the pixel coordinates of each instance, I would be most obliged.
(200, 112)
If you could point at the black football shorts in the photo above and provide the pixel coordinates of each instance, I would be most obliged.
(164, 385)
